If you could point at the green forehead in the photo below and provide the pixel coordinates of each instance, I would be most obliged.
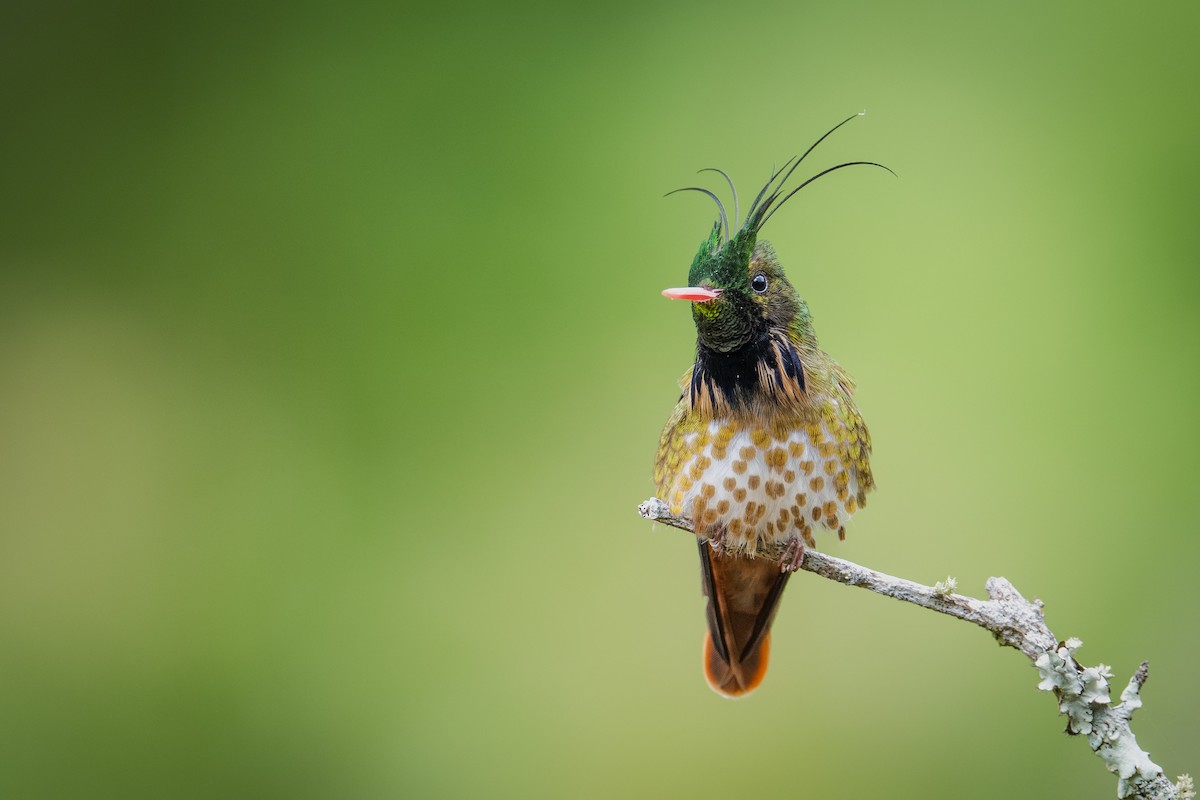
(722, 264)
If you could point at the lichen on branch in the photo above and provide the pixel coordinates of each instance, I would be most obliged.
(1083, 693)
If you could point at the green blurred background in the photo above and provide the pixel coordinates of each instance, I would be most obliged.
(333, 361)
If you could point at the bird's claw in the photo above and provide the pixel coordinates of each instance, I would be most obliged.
(717, 540)
(792, 557)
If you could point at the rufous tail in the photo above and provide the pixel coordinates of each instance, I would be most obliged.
(743, 595)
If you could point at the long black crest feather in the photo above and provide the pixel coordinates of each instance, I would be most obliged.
(715, 199)
(811, 147)
(762, 209)
(788, 196)
(732, 189)
(767, 186)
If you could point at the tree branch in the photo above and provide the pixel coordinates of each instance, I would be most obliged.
(1082, 692)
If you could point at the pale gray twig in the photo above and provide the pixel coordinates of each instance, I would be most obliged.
(1082, 692)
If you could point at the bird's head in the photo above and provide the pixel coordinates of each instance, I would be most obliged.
(737, 288)
(738, 291)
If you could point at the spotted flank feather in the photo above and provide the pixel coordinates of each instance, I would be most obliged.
(759, 484)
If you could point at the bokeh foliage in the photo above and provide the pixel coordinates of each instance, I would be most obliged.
(332, 364)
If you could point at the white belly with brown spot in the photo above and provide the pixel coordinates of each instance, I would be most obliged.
(762, 489)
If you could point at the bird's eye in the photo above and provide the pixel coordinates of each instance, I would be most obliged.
(759, 283)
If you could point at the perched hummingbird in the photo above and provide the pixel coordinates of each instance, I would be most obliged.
(765, 442)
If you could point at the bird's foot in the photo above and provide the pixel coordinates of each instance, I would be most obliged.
(717, 540)
(792, 557)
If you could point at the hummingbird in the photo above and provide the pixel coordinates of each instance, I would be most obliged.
(765, 443)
